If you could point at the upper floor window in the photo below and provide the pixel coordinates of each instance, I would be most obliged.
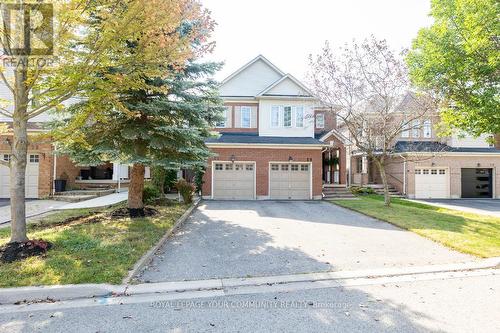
(406, 130)
(287, 116)
(320, 120)
(246, 117)
(416, 128)
(275, 116)
(223, 122)
(427, 128)
(299, 116)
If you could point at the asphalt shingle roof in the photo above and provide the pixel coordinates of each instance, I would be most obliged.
(431, 146)
(254, 138)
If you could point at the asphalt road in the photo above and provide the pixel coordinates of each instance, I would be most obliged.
(249, 238)
(470, 304)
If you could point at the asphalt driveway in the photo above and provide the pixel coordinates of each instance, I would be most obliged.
(476, 206)
(252, 238)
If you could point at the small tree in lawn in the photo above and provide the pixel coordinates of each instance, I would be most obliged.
(89, 37)
(163, 127)
(368, 87)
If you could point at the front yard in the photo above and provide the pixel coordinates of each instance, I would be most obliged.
(89, 247)
(465, 232)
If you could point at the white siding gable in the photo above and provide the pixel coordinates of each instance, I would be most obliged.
(251, 80)
(287, 87)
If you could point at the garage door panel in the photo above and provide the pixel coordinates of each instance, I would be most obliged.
(31, 180)
(234, 181)
(290, 181)
(431, 183)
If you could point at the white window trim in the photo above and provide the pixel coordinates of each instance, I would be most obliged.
(250, 116)
(226, 110)
(322, 116)
(296, 116)
(291, 116)
(416, 129)
(427, 128)
(279, 116)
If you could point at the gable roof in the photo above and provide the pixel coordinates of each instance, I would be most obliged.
(273, 90)
(251, 62)
(260, 78)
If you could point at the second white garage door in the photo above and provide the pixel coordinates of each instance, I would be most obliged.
(290, 181)
(431, 183)
(233, 181)
(32, 170)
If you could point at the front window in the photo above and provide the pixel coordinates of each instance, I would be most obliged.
(427, 129)
(287, 116)
(246, 116)
(275, 116)
(223, 122)
(320, 120)
(299, 116)
(406, 130)
(416, 128)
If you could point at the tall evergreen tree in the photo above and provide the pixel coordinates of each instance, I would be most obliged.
(165, 126)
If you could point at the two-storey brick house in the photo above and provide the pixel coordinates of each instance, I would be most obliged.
(273, 140)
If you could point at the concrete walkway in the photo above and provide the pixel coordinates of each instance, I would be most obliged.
(39, 207)
(476, 206)
(33, 208)
(249, 238)
(103, 201)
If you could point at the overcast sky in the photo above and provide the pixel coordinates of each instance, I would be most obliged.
(287, 31)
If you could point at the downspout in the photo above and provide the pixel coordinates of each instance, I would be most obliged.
(118, 174)
(404, 173)
(54, 173)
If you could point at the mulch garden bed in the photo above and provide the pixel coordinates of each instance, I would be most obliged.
(11, 252)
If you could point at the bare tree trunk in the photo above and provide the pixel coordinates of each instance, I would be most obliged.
(18, 159)
(135, 191)
(381, 168)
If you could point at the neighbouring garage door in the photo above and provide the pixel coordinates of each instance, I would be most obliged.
(431, 183)
(234, 181)
(477, 183)
(31, 177)
(290, 181)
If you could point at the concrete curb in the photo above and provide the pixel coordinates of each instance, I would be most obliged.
(57, 293)
(72, 292)
(148, 257)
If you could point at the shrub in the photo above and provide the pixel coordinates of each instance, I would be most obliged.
(356, 190)
(150, 194)
(186, 190)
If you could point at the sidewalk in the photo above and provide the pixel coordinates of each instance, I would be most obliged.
(250, 285)
(103, 201)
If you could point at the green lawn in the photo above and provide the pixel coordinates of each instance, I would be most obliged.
(465, 232)
(87, 250)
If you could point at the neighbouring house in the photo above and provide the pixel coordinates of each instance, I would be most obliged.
(276, 140)
(44, 165)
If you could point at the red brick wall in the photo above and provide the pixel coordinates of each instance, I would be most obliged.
(262, 157)
(330, 121)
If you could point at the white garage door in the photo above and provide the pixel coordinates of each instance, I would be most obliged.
(31, 177)
(290, 181)
(431, 183)
(233, 181)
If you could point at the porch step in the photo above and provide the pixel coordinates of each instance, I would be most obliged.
(73, 198)
(379, 189)
(337, 193)
(95, 192)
